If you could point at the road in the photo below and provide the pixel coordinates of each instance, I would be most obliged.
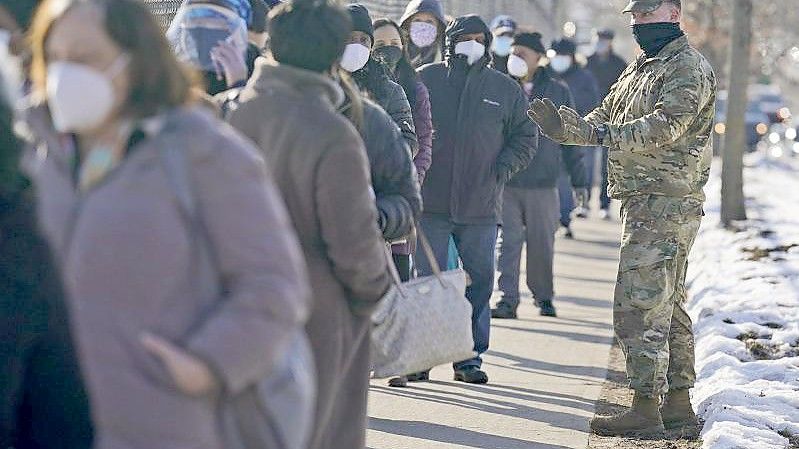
(545, 373)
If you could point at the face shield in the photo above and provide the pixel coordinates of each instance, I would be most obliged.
(198, 28)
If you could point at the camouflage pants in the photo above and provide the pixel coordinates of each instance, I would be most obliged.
(649, 316)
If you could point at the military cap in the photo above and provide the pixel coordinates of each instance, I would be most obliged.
(642, 6)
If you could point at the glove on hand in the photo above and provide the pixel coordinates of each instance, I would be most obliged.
(582, 132)
(546, 115)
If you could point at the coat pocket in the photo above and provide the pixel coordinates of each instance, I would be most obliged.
(647, 274)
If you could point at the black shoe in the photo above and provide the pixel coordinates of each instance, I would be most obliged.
(568, 233)
(547, 308)
(398, 382)
(504, 311)
(418, 377)
(471, 375)
(581, 212)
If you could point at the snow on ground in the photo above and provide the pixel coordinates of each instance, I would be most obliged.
(744, 290)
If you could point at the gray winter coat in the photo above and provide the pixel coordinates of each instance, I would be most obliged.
(129, 263)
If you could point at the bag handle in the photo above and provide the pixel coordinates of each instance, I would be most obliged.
(428, 250)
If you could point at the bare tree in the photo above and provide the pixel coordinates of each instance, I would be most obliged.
(732, 197)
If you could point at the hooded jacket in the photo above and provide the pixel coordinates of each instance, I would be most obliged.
(434, 53)
(390, 96)
(543, 171)
(393, 175)
(482, 133)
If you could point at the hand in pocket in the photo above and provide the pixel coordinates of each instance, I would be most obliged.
(191, 375)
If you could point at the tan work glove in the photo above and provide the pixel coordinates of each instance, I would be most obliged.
(578, 131)
(545, 114)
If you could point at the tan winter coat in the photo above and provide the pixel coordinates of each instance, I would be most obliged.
(322, 171)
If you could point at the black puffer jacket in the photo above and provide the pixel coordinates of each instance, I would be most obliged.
(42, 399)
(482, 133)
(546, 165)
(374, 80)
(394, 178)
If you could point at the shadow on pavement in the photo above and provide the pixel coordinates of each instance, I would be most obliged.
(487, 404)
(576, 336)
(454, 435)
(585, 302)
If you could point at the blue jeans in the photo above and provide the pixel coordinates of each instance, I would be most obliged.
(590, 162)
(566, 198)
(476, 245)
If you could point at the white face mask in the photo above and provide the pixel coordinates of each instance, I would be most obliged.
(517, 67)
(80, 97)
(423, 34)
(355, 57)
(602, 46)
(561, 63)
(501, 45)
(473, 50)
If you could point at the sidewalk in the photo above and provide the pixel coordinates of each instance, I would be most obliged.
(545, 373)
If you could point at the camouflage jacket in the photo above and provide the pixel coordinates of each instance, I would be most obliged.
(659, 116)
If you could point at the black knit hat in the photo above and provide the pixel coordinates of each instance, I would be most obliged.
(361, 21)
(531, 41)
(564, 46)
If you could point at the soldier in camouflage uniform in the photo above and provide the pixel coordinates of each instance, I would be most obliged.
(657, 122)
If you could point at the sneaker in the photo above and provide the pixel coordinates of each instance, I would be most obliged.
(504, 311)
(471, 375)
(567, 233)
(604, 214)
(581, 212)
(418, 377)
(547, 308)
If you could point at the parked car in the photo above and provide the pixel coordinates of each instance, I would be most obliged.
(757, 122)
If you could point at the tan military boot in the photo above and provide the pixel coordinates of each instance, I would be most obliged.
(677, 411)
(641, 420)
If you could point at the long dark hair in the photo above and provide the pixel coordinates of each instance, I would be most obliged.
(404, 74)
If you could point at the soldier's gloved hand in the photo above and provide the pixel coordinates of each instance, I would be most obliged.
(581, 196)
(575, 126)
(545, 114)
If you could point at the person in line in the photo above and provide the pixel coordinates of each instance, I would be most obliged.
(606, 66)
(424, 22)
(290, 109)
(155, 346)
(657, 122)
(503, 28)
(584, 90)
(43, 400)
(212, 37)
(393, 176)
(391, 47)
(482, 140)
(372, 76)
(530, 207)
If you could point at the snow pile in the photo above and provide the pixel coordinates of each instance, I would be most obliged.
(744, 290)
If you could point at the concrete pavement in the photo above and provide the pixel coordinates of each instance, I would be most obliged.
(545, 373)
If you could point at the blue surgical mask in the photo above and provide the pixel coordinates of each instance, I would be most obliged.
(501, 45)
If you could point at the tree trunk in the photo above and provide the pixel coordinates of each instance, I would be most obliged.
(732, 197)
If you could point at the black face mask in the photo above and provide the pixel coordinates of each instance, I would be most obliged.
(653, 37)
(389, 55)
